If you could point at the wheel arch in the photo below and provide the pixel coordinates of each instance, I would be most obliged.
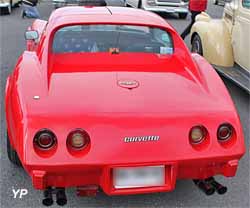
(216, 41)
(7, 102)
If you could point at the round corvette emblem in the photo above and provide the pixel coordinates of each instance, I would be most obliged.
(129, 84)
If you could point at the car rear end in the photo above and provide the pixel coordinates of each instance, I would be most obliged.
(167, 6)
(131, 138)
(128, 153)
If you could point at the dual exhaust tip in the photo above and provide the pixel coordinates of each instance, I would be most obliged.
(61, 198)
(210, 185)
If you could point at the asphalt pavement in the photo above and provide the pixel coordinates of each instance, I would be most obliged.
(12, 44)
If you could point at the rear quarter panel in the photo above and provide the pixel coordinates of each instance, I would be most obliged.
(15, 107)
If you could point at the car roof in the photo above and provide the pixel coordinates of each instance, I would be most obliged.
(103, 15)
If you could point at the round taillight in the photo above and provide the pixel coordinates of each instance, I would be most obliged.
(78, 139)
(197, 134)
(224, 132)
(45, 139)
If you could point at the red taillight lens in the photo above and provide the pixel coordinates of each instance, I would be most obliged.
(45, 139)
(78, 139)
(197, 134)
(224, 132)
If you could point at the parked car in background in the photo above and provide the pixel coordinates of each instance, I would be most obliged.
(168, 6)
(62, 3)
(225, 42)
(7, 5)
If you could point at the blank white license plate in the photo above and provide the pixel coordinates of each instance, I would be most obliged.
(170, 10)
(135, 177)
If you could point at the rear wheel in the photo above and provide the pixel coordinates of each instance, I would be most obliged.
(139, 4)
(12, 155)
(183, 15)
(9, 9)
(216, 2)
(197, 45)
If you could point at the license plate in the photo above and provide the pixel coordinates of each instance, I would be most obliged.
(170, 10)
(135, 177)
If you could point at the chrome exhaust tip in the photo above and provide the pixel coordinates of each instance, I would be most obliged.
(61, 198)
(205, 187)
(48, 199)
(220, 189)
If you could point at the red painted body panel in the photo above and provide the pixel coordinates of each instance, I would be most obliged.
(175, 93)
(39, 26)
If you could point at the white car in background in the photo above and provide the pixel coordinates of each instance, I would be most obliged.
(167, 6)
(8, 5)
(62, 3)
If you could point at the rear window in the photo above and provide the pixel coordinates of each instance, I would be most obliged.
(112, 38)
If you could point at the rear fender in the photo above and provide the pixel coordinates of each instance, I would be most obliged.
(8, 103)
(216, 40)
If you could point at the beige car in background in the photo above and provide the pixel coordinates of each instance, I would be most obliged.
(225, 42)
(7, 5)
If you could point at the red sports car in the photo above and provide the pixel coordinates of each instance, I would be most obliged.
(111, 98)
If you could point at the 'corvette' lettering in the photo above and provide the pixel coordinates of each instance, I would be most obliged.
(142, 139)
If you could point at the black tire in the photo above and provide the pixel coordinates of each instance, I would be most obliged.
(17, 5)
(216, 2)
(12, 155)
(139, 5)
(183, 15)
(9, 8)
(197, 45)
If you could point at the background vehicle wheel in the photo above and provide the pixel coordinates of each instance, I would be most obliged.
(126, 4)
(9, 7)
(197, 45)
(216, 2)
(12, 155)
(139, 5)
(183, 15)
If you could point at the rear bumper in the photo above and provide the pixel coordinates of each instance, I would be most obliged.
(101, 175)
(3, 5)
(166, 9)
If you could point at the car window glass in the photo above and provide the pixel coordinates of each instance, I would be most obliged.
(246, 4)
(112, 38)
